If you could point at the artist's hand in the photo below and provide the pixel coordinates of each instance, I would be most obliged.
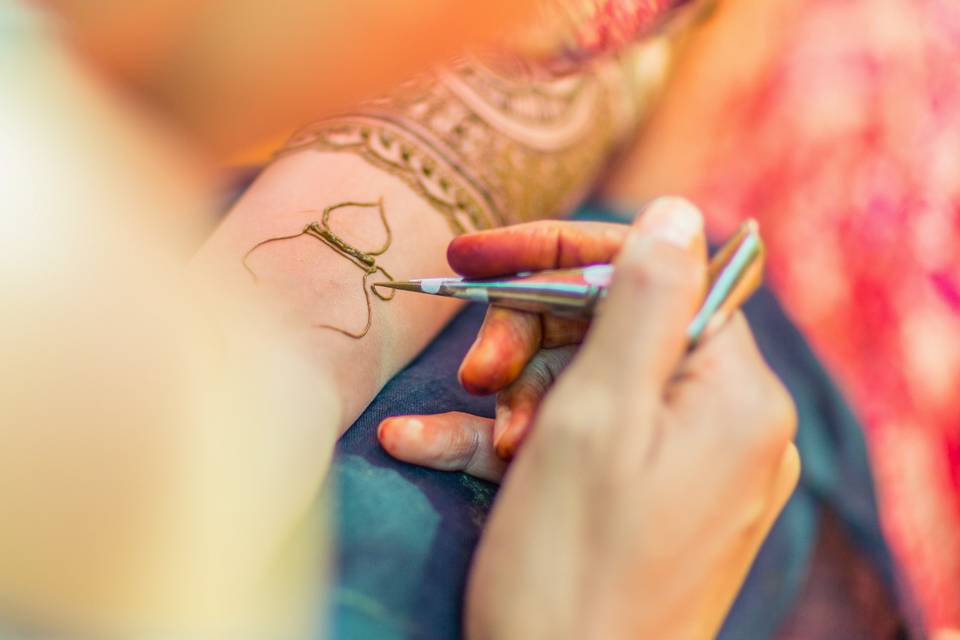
(650, 478)
(517, 354)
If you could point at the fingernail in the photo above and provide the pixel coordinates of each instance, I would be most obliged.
(673, 220)
(514, 430)
(465, 372)
(506, 445)
(500, 423)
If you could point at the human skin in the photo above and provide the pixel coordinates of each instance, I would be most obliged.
(516, 354)
(164, 436)
(307, 283)
(228, 75)
(650, 477)
(185, 373)
(186, 410)
(165, 431)
(508, 356)
(735, 45)
(195, 408)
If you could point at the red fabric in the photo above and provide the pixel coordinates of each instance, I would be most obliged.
(615, 23)
(848, 152)
(568, 32)
(849, 155)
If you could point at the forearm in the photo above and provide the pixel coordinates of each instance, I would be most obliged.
(186, 439)
(199, 60)
(316, 288)
(468, 148)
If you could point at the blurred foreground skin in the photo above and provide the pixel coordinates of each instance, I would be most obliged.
(164, 439)
(161, 438)
(648, 482)
(229, 74)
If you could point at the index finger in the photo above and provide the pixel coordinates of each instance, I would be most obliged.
(535, 246)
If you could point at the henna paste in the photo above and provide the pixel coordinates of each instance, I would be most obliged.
(364, 260)
(488, 145)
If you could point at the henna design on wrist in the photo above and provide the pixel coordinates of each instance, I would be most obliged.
(390, 145)
(364, 260)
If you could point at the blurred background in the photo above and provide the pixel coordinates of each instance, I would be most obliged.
(835, 123)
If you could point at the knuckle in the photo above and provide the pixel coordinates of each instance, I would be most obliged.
(461, 446)
(783, 410)
(559, 332)
(557, 359)
(538, 373)
(769, 417)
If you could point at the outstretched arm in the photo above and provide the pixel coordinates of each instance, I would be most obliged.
(380, 192)
(160, 446)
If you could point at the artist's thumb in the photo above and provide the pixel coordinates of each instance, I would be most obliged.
(659, 281)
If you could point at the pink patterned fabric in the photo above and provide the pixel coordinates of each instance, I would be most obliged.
(611, 24)
(570, 31)
(849, 155)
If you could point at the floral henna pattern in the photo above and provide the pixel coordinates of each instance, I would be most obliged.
(493, 143)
